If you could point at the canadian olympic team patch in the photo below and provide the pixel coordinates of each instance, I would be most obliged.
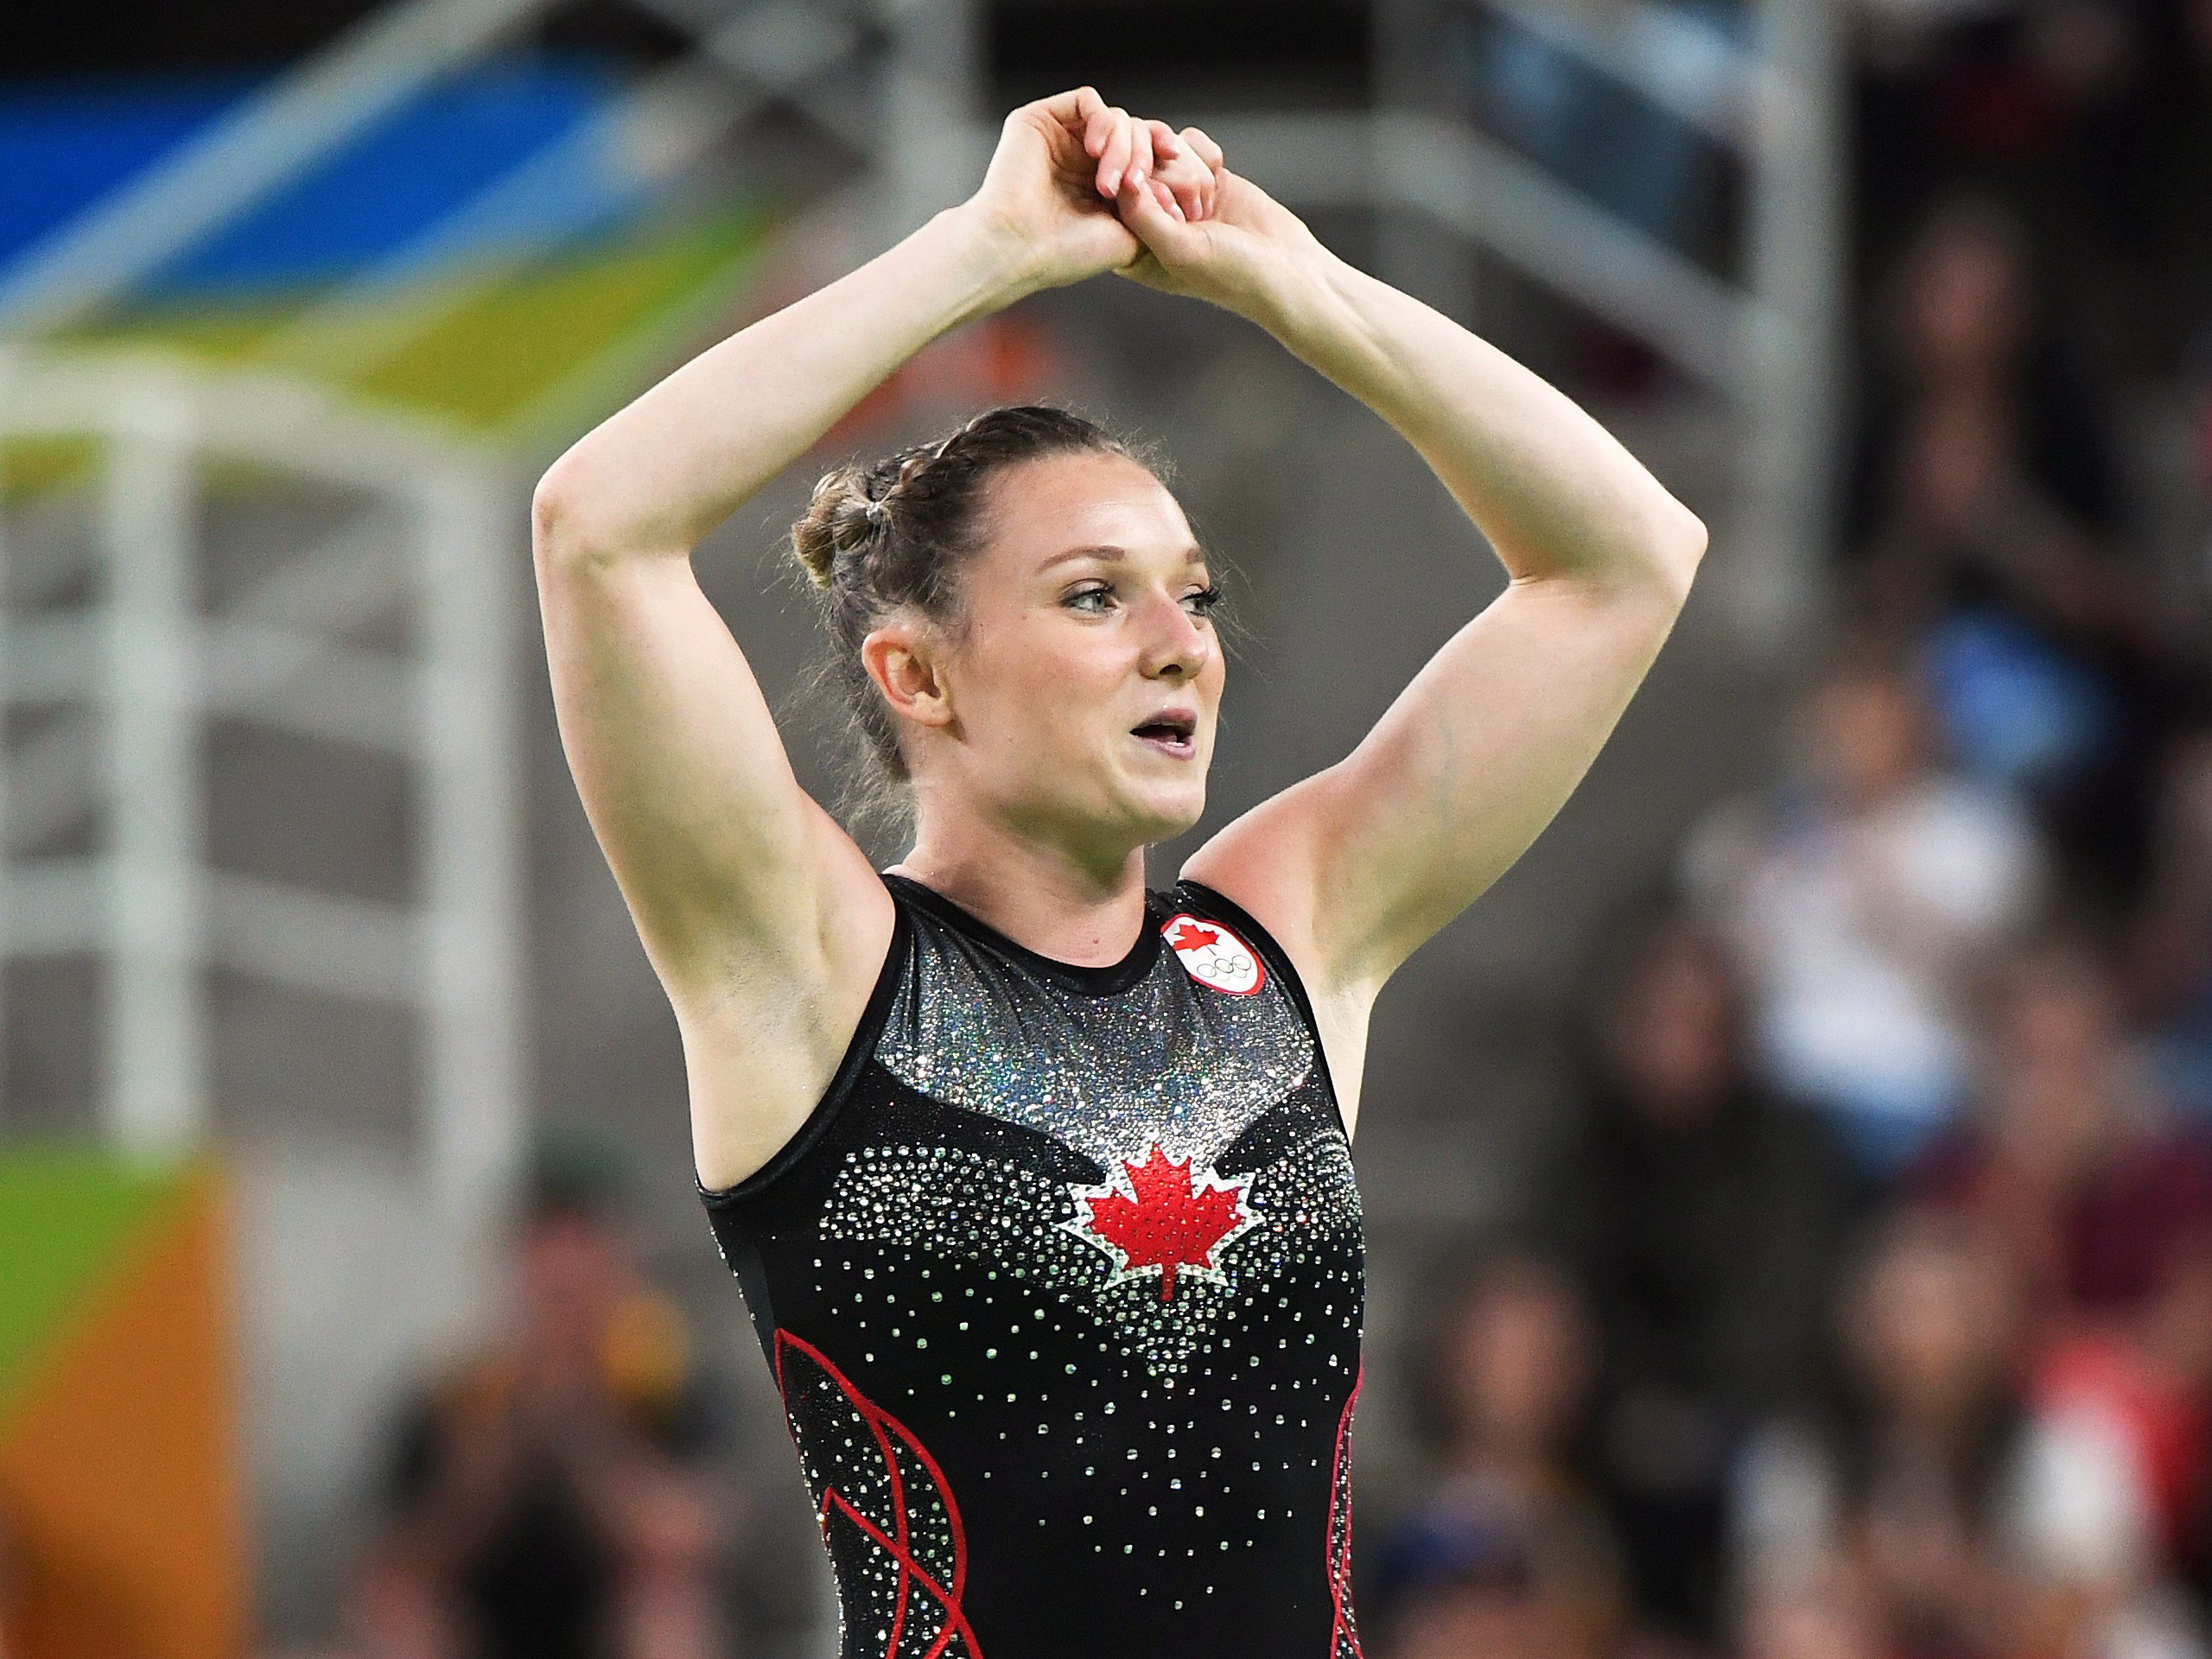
(1213, 955)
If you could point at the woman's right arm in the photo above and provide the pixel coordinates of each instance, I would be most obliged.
(762, 919)
(724, 861)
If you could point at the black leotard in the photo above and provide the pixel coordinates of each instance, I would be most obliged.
(1062, 1286)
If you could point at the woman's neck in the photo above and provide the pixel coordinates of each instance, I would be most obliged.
(1039, 895)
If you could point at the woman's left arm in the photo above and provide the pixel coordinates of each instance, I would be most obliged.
(1355, 866)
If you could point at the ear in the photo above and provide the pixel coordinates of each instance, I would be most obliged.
(906, 660)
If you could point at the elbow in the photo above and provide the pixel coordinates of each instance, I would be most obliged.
(576, 520)
(553, 514)
(1677, 547)
(570, 522)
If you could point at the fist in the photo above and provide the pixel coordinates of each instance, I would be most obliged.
(1054, 190)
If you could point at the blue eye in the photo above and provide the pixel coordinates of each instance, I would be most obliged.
(1201, 602)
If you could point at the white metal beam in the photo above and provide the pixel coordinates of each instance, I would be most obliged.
(155, 1082)
(1485, 192)
(340, 947)
(271, 661)
(470, 828)
(149, 667)
(1794, 365)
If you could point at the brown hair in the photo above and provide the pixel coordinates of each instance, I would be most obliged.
(894, 532)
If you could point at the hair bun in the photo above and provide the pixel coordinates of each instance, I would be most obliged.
(842, 517)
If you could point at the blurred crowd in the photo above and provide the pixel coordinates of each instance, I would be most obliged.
(1865, 1311)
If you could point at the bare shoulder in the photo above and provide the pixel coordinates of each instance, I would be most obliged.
(1238, 866)
(763, 1034)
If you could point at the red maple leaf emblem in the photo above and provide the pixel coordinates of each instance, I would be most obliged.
(1170, 1218)
(1189, 935)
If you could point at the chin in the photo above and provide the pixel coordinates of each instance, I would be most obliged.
(1165, 819)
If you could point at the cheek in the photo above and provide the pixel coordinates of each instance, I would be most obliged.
(1043, 688)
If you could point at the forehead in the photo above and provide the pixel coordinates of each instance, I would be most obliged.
(1045, 506)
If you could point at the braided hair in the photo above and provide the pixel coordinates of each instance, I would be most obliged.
(882, 536)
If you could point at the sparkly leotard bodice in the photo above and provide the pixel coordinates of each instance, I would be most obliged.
(1062, 1287)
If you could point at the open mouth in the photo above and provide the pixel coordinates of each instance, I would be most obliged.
(1172, 734)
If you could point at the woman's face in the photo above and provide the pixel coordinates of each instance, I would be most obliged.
(1079, 699)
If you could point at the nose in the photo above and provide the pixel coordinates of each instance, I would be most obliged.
(1177, 645)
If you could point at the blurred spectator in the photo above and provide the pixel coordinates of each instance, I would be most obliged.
(549, 1498)
(1825, 1614)
(1986, 523)
(1859, 894)
(2196, 373)
(2070, 110)
(1979, 1527)
(2170, 942)
(1478, 1601)
(2068, 1160)
(1510, 1541)
(1704, 1217)
(2109, 1207)
(2146, 1382)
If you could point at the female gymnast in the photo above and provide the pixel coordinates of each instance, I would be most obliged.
(1037, 1181)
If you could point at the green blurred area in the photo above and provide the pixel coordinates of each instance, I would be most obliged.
(68, 1216)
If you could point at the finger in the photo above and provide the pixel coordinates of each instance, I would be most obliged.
(1183, 178)
(1074, 105)
(1078, 107)
(1207, 150)
(1114, 158)
(1097, 122)
(1165, 198)
(1140, 162)
(1173, 164)
(1191, 179)
(1210, 175)
(1097, 139)
(1154, 226)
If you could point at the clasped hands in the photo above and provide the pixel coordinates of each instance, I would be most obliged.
(1077, 186)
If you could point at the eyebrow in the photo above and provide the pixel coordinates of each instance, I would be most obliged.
(1112, 555)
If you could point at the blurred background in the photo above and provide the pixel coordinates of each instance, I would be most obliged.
(1789, 1192)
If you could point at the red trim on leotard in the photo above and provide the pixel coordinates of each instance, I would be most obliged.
(899, 1546)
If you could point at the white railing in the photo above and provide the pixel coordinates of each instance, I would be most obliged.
(144, 670)
(139, 670)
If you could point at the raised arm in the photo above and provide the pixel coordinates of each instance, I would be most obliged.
(1357, 865)
(680, 767)
(755, 907)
